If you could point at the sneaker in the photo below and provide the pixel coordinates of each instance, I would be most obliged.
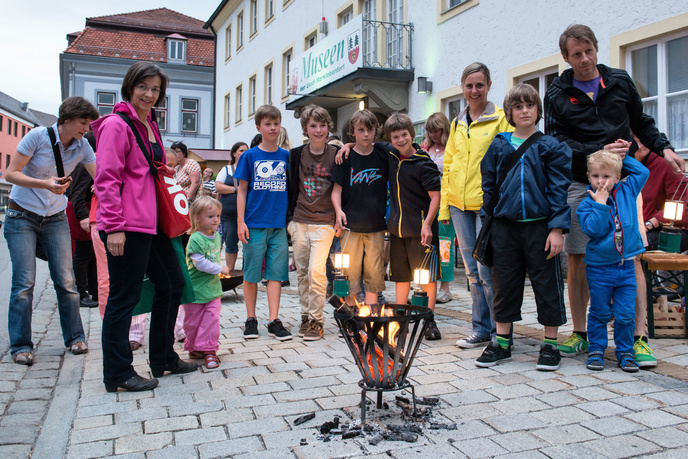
(304, 325)
(277, 330)
(627, 364)
(595, 361)
(550, 358)
(573, 345)
(314, 332)
(642, 354)
(432, 333)
(494, 354)
(79, 348)
(443, 297)
(251, 328)
(472, 341)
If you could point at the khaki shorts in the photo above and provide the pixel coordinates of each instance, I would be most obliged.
(373, 246)
(576, 240)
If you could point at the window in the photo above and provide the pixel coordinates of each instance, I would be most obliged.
(252, 95)
(176, 51)
(15, 128)
(660, 72)
(450, 8)
(228, 42)
(346, 16)
(287, 57)
(1, 120)
(227, 110)
(310, 40)
(269, 10)
(540, 81)
(9, 126)
(268, 85)
(395, 36)
(190, 115)
(23, 130)
(254, 18)
(454, 107)
(106, 102)
(239, 107)
(8, 160)
(369, 33)
(240, 30)
(161, 115)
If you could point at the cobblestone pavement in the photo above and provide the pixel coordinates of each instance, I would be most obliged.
(247, 407)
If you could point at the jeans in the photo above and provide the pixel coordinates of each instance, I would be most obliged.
(154, 256)
(612, 282)
(467, 225)
(22, 229)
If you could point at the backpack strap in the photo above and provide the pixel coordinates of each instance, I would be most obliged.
(56, 152)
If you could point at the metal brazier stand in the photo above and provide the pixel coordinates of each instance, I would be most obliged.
(383, 345)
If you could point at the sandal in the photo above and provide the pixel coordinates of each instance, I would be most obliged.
(134, 345)
(211, 360)
(595, 361)
(79, 348)
(292, 267)
(626, 363)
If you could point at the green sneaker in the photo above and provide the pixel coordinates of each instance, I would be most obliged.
(573, 345)
(642, 354)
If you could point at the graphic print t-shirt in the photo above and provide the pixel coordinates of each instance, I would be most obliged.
(206, 286)
(266, 174)
(364, 190)
(314, 204)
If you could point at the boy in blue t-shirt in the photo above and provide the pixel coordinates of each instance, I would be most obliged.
(262, 220)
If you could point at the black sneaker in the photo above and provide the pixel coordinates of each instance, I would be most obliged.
(433, 333)
(550, 358)
(251, 328)
(472, 341)
(494, 354)
(277, 330)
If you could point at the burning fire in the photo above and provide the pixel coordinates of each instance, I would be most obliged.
(393, 329)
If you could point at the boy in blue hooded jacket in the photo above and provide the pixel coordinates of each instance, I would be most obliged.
(530, 218)
(609, 216)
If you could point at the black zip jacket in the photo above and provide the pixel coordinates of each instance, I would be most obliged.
(571, 116)
(409, 182)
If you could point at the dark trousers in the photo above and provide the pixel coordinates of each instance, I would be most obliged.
(519, 248)
(155, 257)
(84, 265)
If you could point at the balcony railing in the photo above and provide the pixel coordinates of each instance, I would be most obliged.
(387, 45)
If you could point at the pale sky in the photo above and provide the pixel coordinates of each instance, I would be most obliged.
(33, 33)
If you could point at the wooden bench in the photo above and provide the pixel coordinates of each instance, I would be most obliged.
(663, 261)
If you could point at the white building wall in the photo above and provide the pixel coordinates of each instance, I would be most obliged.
(504, 34)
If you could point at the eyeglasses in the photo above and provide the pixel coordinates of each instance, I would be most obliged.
(144, 88)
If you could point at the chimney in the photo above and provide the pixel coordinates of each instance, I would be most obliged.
(25, 106)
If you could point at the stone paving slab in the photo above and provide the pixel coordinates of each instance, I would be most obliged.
(247, 407)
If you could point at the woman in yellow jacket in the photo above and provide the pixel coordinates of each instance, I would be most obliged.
(471, 134)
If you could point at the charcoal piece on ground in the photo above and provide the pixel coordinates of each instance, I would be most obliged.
(327, 427)
(351, 434)
(301, 419)
(401, 436)
(375, 440)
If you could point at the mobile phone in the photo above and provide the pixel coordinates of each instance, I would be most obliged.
(64, 180)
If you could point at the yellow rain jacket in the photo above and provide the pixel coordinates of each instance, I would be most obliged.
(466, 146)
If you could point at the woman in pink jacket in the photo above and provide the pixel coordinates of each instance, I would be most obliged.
(127, 224)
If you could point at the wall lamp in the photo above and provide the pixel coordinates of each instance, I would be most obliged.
(424, 85)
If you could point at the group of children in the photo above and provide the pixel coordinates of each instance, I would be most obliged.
(319, 199)
(320, 194)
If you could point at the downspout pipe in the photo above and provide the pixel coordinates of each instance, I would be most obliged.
(210, 26)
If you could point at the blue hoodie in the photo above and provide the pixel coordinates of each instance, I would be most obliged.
(597, 220)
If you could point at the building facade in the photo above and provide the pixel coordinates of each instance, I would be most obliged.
(97, 58)
(263, 49)
(16, 120)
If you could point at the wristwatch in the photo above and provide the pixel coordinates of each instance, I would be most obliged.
(649, 225)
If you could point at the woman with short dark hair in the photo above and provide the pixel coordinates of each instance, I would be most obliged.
(128, 224)
(36, 213)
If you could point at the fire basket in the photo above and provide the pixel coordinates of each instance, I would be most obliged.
(383, 339)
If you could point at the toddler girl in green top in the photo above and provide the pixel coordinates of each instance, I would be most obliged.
(202, 320)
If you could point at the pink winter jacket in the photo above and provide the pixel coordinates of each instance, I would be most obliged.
(124, 183)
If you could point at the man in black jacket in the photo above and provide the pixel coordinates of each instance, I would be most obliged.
(593, 107)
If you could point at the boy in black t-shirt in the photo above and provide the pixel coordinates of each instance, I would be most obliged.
(359, 197)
